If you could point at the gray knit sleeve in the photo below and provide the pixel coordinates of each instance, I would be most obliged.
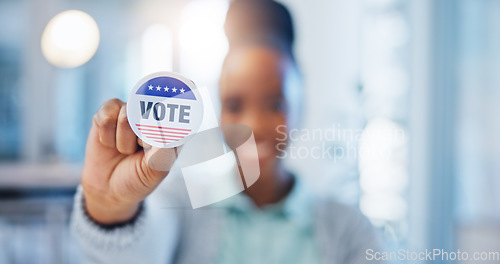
(150, 238)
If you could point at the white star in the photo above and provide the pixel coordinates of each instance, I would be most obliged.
(174, 90)
(150, 87)
(182, 90)
(166, 88)
(158, 88)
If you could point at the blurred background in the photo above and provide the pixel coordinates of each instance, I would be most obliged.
(408, 88)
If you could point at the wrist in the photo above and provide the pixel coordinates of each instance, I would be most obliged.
(109, 213)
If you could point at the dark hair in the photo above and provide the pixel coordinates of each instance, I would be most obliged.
(267, 23)
(264, 22)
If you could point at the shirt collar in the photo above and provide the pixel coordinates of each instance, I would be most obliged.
(296, 206)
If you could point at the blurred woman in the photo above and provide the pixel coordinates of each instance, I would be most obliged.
(276, 220)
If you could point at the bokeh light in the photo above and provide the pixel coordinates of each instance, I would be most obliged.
(203, 43)
(157, 49)
(70, 39)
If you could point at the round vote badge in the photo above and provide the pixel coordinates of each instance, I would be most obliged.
(165, 109)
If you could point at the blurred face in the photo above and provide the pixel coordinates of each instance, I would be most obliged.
(252, 94)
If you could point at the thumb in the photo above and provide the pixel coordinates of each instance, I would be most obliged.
(160, 159)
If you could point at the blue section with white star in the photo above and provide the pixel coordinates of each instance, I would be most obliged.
(166, 87)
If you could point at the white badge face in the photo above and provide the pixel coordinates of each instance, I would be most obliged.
(165, 109)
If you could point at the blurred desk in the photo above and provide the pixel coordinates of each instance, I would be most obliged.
(35, 207)
(39, 176)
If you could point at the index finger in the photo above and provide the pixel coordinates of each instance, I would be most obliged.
(126, 140)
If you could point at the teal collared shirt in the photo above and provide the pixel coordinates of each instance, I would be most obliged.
(278, 233)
